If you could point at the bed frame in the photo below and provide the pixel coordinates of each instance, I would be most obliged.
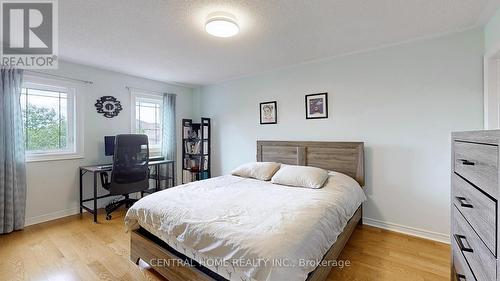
(344, 157)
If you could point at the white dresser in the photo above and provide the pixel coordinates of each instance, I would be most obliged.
(474, 205)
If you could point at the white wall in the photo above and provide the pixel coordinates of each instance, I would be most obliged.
(492, 32)
(402, 101)
(492, 73)
(53, 185)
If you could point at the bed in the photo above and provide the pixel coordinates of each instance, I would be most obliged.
(231, 228)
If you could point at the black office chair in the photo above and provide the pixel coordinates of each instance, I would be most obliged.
(130, 170)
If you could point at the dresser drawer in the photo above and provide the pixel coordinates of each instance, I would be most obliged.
(480, 259)
(478, 163)
(461, 269)
(478, 209)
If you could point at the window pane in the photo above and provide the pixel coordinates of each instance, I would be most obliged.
(63, 120)
(148, 121)
(45, 116)
(138, 128)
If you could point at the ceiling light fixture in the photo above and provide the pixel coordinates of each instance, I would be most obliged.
(221, 24)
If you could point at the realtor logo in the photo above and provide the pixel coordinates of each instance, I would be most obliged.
(29, 34)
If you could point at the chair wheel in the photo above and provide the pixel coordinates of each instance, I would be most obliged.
(108, 217)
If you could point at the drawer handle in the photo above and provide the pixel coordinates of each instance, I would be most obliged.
(466, 162)
(463, 202)
(461, 238)
(461, 277)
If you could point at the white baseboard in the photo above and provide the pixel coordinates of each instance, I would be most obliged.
(50, 216)
(435, 236)
(439, 237)
(64, 213)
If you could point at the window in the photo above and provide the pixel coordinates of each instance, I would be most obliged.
(147, 117)
(49, 118)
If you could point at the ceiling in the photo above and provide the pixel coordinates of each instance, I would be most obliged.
(165, 39)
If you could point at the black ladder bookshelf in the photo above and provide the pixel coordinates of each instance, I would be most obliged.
(196, 155)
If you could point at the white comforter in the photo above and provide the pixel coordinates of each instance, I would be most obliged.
(245, 229)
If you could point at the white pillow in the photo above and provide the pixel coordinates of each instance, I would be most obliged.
(257, 170)
(301, 176)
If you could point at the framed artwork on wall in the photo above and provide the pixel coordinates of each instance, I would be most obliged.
(268, 113)
(317, 106)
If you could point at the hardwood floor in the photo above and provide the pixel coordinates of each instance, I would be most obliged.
(74, 248)
(378, 254)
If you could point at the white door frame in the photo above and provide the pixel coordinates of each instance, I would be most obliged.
(492, 89)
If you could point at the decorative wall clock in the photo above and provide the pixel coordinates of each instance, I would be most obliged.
(108, 106)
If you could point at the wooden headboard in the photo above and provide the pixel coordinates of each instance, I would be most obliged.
(344, 157)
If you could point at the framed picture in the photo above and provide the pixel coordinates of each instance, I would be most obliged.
(268, 113)
(317, 106)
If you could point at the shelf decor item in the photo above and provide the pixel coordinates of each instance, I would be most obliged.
(317, 106)
(268, 113)
(195, 150)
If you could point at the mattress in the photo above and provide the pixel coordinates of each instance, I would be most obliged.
(246, 229)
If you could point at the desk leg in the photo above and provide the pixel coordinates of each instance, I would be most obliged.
(157, 177)
(95, 197)
(81, 191)
(173, 173)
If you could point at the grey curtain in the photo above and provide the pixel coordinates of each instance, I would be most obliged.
(12, 161)
(169, 145)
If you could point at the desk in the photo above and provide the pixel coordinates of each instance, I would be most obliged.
(97, 169)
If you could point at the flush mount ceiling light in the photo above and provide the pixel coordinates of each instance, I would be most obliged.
(221, 24)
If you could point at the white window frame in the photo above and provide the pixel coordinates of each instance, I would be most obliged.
(154, 150)
(75, 120)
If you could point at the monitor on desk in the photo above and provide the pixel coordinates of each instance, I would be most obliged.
(109, 148)
(109, 145)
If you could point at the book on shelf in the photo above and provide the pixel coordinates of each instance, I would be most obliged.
(205, 163)
(188, 176)
(205, 132)
(205, 147)
(192, 147)
(191, 164)
(187, 131)
(190, 133)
